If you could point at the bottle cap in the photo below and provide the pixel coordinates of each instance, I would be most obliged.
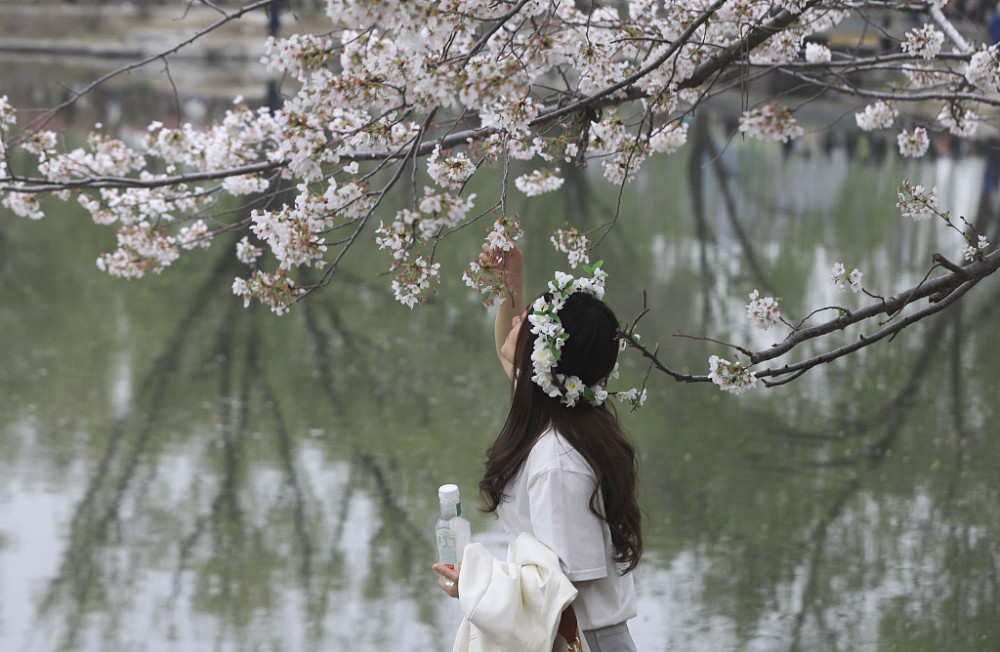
(448, 493)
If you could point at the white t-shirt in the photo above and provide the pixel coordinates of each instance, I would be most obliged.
(550, 499)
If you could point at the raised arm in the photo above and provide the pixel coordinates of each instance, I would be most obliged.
(510, 265)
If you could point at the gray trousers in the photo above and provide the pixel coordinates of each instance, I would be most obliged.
(610, 639)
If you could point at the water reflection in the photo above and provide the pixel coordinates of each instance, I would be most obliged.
(177, 472)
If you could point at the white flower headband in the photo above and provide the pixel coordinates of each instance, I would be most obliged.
(547, 326)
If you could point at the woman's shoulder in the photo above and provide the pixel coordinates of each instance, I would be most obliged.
(551, 451)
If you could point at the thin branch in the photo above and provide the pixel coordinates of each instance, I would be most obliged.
(239, 13)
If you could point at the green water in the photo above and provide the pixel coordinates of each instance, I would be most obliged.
(180, 473)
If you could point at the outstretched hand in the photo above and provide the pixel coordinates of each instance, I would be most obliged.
(507, 265)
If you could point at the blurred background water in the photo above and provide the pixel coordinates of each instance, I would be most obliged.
(180, 473)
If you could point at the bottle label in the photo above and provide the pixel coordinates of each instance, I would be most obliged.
(447, 544)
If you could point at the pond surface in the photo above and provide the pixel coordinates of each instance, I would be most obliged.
(180, 473)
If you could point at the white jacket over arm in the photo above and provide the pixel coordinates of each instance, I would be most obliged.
(511, 606)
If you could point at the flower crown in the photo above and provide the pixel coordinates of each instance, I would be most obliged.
(551, 336)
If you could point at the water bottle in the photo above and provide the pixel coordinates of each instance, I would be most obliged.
(452, 529)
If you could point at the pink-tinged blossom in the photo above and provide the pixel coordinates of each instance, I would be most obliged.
(398, 237)
(854, 278)
(442, 211)
(925, 41)
(783, 47)
(921, 76)
(959, 122)
(40, 142)
(763, 311)
(770, 121)
(104, 156)
(298, 55)
(8, 114)
(276, 291)
(196, 235)
(411, 285)
(669, 138)
(538, 182)
(817, 53)
(841, 278)
(24, 204)
(625, 164)
(731, 377)
(880, 115)
(970, 252)
(294, 234)
(247, 253)
(913, 143)
(510, 116)
(983, 70)
(503, 233)
(142, 247)
(245, 184)
(572, 243)
(486, 278)
(349, 201)
(915, 202)
(633, 397)
(449, 172)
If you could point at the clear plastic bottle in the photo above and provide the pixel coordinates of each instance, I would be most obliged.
(452, 529)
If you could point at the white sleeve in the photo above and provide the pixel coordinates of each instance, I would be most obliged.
(559, 504)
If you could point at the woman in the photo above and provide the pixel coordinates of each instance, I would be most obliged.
(561, 468)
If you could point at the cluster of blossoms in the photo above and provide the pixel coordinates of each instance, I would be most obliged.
(24, 204)
(550, 338)
(763, 311)
(841, 278)
(276, 291)
(412, 283)
(361, 91)
(921, 76)
(731, 377)
(669, 138)
(817, 53)
(925, 41)
(770, 121)
(880, 115)
(436, 213)
(450, 172)
(8, 115)
(913, 143)
(916, 202)
(572, 243)
(983, 70)
(538, 182)
(958, 122)
(247, 253)
(971, 252)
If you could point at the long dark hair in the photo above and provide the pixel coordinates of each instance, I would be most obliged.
(594, 431)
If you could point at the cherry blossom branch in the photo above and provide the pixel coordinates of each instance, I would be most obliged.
(754, 37)
(631, 79)
(971, 273)
(35, 184)
(952, 286)
(865, 341)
